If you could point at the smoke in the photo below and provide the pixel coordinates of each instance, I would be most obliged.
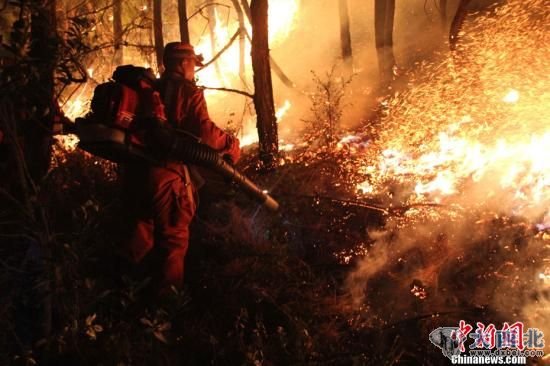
(312, 43)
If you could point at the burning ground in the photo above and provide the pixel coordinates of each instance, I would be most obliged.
(457, 170)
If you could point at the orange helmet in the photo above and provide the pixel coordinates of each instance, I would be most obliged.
(181, 50)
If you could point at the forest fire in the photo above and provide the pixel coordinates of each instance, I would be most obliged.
(466, 150)
(221, 46)
(473, 140)
(517, 167)
(407, 199)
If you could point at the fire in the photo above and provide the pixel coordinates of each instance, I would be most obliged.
(67, 142)
(516, 167)
(456, 137)
(286, 147)
(511, 97)
(74, 108)
(251, 136)
(465, 149)
(281, 18)
(280, 113)
(282, 14)
(249, 139)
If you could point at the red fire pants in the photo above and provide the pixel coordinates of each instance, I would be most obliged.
(162, 206)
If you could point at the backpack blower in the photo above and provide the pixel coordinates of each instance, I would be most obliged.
(127, 123)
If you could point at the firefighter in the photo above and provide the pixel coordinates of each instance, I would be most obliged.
(162, 199)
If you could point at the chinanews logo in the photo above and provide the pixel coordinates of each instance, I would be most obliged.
(511, 344)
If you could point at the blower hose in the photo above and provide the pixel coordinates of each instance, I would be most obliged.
(174, 145)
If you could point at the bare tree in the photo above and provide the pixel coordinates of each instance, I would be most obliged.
(117, 32)
(263, 93)
(278, 71)
(157, 30)
(247, 11)
(384, 11)
(242, 39)
(345, 34)
(41, 89)
(457, 23)
(61, 19)
(211, 8)
(443, 13)
(38, 132)
(184, 27)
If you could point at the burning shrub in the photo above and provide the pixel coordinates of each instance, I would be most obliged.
(327, 107)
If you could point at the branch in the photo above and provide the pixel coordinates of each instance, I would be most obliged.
(342, 201)
(397, 210)
(95, 11)
(4, 6)
(76, 6)
(246, 94)
(199, 10)
(140, 46)
(225, 48)
(276, 68)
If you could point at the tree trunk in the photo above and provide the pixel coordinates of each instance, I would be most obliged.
(184, 27)
(212, 27)
(117, 32)
(247, 11)
(61, 19)
(278, 71)
(38, 135)
(43, 49)
(263, 94)
(157, 30)
(384, 11)
(443, 13)
(242, 40)
(457, 23)
(345, 34)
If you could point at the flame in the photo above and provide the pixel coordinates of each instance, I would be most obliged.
(286, 147)
(67, 142)
(74, 108)
(280, 113)
(281, 18)
(365, 187)
(251, 136)
(511, 97)
(249, 139)
(515, 169)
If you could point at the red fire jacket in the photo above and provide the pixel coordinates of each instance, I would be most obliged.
(186, 109)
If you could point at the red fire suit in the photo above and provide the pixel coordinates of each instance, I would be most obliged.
(163, 196)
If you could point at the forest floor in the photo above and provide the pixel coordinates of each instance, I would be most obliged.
(261, 288)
